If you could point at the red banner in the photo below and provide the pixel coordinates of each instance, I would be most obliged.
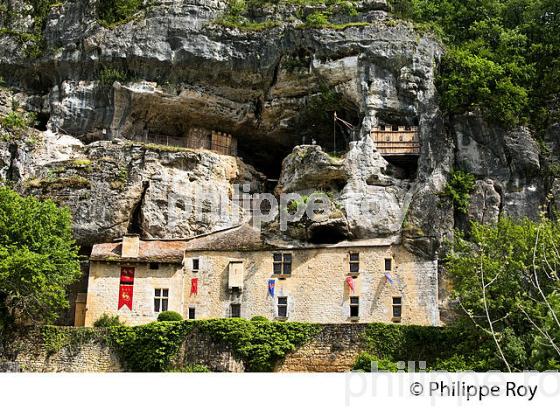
(194, 286)
(125, 296)
(350, 282)
(127, 276)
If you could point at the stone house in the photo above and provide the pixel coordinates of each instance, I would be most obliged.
(237, 273)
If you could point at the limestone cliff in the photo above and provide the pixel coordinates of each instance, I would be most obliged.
(103, 95)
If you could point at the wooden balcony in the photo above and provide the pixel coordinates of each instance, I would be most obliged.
(396, 140)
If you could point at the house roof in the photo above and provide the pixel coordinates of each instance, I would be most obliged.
(151, 250)
(240, 238)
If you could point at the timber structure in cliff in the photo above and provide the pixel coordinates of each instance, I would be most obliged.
(396, 140)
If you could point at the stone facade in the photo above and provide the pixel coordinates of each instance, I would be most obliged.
(228, 273)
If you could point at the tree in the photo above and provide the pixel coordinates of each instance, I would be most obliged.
(506, 285)
(38, 258)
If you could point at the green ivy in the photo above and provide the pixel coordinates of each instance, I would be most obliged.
(260, 344)
(56, 338)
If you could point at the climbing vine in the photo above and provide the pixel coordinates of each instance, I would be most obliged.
(259, 343)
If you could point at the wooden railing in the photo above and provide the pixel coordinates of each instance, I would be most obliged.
(396, 140)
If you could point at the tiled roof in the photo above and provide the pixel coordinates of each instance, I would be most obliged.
(157, 251)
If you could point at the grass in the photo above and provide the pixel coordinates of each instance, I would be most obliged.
(76, 182)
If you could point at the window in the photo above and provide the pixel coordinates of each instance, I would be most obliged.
(354, 262)
(192, 313)
(282, 306)
(282, 263)
(154, 265)
(161, 300)
(388, 264)
(407, 128)
(395, 128)
(382, 127)
(195, 264)
(397, 307)
(235, 310)
(354, 306)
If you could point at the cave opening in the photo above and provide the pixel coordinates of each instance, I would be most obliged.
(41, 121)
(135, 222)
(327, 234)
(403, 166)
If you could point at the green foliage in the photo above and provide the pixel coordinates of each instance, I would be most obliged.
(316, 20)
(15, 121)
(114, 12)
(151, 347)
(260, 344)
(259, 319)
(169, 316)
(388, 344)
(38, 258)
(458, 189)
(508, 273)
(365, 360)
(240, 14)
(191, 368)
(502, 58)
(56, 338)
(107, 76)
(106, 320)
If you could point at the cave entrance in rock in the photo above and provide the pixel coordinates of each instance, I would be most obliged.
(266, 155)
(403, 166)
(327, 234)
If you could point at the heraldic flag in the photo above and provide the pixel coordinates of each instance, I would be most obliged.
(389, 278)
(194, 286)
(271, 284)
(125, 296)
(350, 283)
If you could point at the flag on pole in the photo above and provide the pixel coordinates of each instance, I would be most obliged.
(194, 286)
(389, 278)
(271, 285)
(350, 283)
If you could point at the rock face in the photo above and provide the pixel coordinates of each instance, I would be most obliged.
(116, 186)
(172, 68)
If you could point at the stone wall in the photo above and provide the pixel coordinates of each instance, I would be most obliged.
(28, 351)
(333, 349)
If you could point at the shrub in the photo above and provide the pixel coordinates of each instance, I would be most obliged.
(259, 319)
(169, 316)
(107, 76)
(364, 362)
(114, 12)
(458, 189)
(316, 20)
(107, 320)
(14, 121)
(191, 368)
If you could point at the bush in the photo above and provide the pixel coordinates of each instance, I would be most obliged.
(114, 12)
(169, 316)
(458, 189)
(191, 368)
(107, 320)
(259, 319)
(316, 20)
(365, 361)
(107, 76)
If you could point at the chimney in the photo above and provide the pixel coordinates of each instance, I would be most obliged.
(130, 246)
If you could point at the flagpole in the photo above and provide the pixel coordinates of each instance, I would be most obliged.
(334, 132)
